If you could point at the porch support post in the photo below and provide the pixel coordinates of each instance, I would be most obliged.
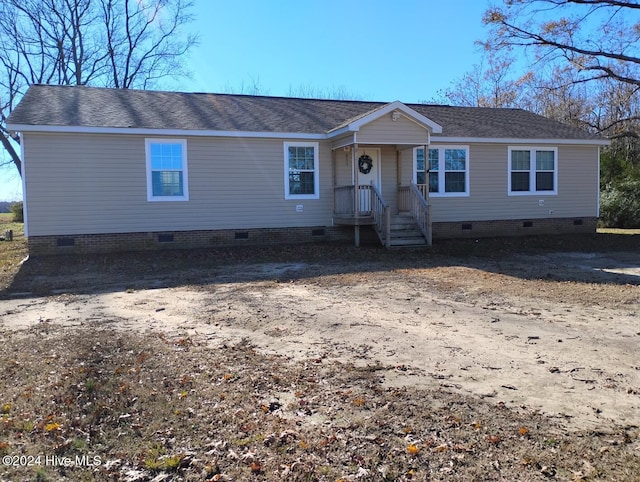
(426, 193)
(356, 195)
(356, 181)
(334, 176)
(398, 168)
(426, 168)
(334, 166)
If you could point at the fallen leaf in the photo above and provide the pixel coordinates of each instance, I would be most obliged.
(359, 402)
(50, 427)
(460, 448)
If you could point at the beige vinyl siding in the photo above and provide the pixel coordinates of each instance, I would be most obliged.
(385, 131)
(389, 186)
(89, 184)
(488, 198)
(344, 167)
(344, 172)
(406, 166)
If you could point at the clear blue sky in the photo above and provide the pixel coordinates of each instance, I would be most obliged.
(380, 50)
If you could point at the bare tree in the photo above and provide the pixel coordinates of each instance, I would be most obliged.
(490, 83)
(252, 86)
(109, 43)
(586, 58)
(144, 39)
(599, 38)
(553, 90)
(336, 92)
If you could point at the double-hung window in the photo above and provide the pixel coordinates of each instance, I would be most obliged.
(533, 170)
(301, 179)
(167, 175)
(446, 170)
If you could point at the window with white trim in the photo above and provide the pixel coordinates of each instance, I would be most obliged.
(447, 170)
(533, 170)
(167, 175)
(301, 178)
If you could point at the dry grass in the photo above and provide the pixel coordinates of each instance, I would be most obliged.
(152, 408)
(618, 231)
(149, 407)
(11, 252)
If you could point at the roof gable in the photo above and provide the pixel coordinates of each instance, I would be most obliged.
(356, 123)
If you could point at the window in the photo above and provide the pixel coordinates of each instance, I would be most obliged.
(448, 171)
(167, 170)
(533, 170)
(301, 180)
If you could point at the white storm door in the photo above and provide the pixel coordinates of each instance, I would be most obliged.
(368, 167)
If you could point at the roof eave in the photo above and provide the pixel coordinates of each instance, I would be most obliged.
(517, 140)
(286, 135)
(163, 132)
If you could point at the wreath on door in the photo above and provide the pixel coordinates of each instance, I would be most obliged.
(365, 163)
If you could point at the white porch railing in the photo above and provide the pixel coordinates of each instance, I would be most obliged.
(412, 198)
(344, 202)
(371, 204)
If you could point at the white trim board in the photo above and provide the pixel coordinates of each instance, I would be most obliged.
(516, 140)
(163, 132)
(387, 109)
(25, 215)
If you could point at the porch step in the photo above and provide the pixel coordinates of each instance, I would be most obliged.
(405, 232)
(407, 243)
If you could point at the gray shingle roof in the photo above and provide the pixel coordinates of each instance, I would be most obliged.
(66, 106)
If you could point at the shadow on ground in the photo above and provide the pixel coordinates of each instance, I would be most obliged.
(594, 258)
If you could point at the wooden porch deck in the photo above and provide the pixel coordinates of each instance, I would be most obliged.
(369, 208)
(363, 219)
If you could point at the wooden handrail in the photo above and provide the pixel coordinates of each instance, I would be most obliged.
(381, 215)
(421, 211)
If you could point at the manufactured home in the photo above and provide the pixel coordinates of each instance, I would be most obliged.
(112, 169)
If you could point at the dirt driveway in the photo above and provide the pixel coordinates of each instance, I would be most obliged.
(557, 331)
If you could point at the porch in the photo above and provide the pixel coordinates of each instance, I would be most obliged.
(375, 182)
(366, 206)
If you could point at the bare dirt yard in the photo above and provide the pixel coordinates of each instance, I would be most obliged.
(490, 359)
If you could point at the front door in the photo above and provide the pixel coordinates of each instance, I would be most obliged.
(368, 166)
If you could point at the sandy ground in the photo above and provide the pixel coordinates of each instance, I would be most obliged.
(568, 349)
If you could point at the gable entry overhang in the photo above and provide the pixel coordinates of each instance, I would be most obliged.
(396, 114)
(391, 124)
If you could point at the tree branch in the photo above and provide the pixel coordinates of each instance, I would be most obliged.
(15, 158)
(120, 43)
